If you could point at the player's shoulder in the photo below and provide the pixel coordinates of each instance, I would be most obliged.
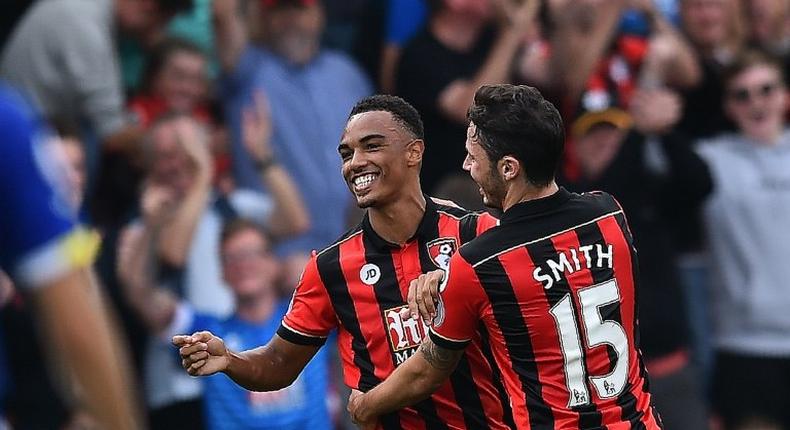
(486, 244)
(14, 108)
(578, 210)
(449, 208)
(322, 254)
(20, 125)
(596, 202)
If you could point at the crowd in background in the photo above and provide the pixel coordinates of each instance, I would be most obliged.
(201, 138)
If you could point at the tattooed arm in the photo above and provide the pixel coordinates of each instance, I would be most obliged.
(414, 380)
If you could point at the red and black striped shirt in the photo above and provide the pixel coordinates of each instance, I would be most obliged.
(359, 286)
(555, 286)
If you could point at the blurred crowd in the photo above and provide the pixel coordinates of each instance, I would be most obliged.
(201, 138)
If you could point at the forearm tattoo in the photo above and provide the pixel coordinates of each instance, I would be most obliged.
(438, 357)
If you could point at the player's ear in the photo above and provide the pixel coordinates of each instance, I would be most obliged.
(509, 167)
(414, 152)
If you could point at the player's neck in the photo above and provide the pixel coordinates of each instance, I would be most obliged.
(523, 192)
(255, 309)
(398, 221)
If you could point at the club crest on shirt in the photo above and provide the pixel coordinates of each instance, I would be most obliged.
(405, 334)
(441, 250)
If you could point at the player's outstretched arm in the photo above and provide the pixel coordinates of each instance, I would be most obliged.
(267, 368)
(414, 380)
(77, 326)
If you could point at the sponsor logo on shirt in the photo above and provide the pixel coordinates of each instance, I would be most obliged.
(405, 334)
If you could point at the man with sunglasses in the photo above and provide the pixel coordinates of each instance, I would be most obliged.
(746, 217)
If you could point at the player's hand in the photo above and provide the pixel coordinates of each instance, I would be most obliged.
(202, 354)
(354, 403)
(424, 295)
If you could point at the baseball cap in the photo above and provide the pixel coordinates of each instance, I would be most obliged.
(599, 107)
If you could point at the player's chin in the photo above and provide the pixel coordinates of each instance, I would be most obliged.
(491, 203)
(366, 201)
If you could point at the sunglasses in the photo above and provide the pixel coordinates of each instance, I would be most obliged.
(743, 95)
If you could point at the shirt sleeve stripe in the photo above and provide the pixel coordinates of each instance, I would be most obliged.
(299, 338)
(74, 250)
(446, 342)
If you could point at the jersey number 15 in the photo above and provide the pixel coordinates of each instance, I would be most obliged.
(596, 332)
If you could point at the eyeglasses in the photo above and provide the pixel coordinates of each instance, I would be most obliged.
(743, 95)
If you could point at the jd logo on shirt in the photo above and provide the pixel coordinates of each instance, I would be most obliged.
(369, 274)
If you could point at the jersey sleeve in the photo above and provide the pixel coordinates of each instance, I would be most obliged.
(461, 303)
(310, 316)
(39, 236)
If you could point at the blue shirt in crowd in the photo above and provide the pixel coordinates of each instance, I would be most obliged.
(301, 406)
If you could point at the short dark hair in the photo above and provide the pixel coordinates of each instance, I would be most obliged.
(237, 225)
(750, 58)
(516, 120)
(162, 52)
(404, 113)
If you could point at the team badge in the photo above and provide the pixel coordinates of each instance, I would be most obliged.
(441, 250)
(369, 274)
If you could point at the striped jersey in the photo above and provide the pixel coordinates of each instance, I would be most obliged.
(555, 286)
(359, 286)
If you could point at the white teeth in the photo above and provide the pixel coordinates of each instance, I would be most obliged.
(364, 180)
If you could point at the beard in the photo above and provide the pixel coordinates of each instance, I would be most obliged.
(494, 190)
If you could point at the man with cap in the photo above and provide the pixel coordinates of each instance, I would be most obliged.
(637, 157)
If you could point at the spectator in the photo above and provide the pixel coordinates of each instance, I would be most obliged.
(187, 248)
(746, 218)
(590, 52)
(715, 30)
(62, 54)
(176, 79)
(443, 65)
(309, 89)
(405, 18)
(615, 151)
(769, 25)
(250, 270)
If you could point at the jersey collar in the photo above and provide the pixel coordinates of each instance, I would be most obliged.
(531, 208)
(424, 230)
